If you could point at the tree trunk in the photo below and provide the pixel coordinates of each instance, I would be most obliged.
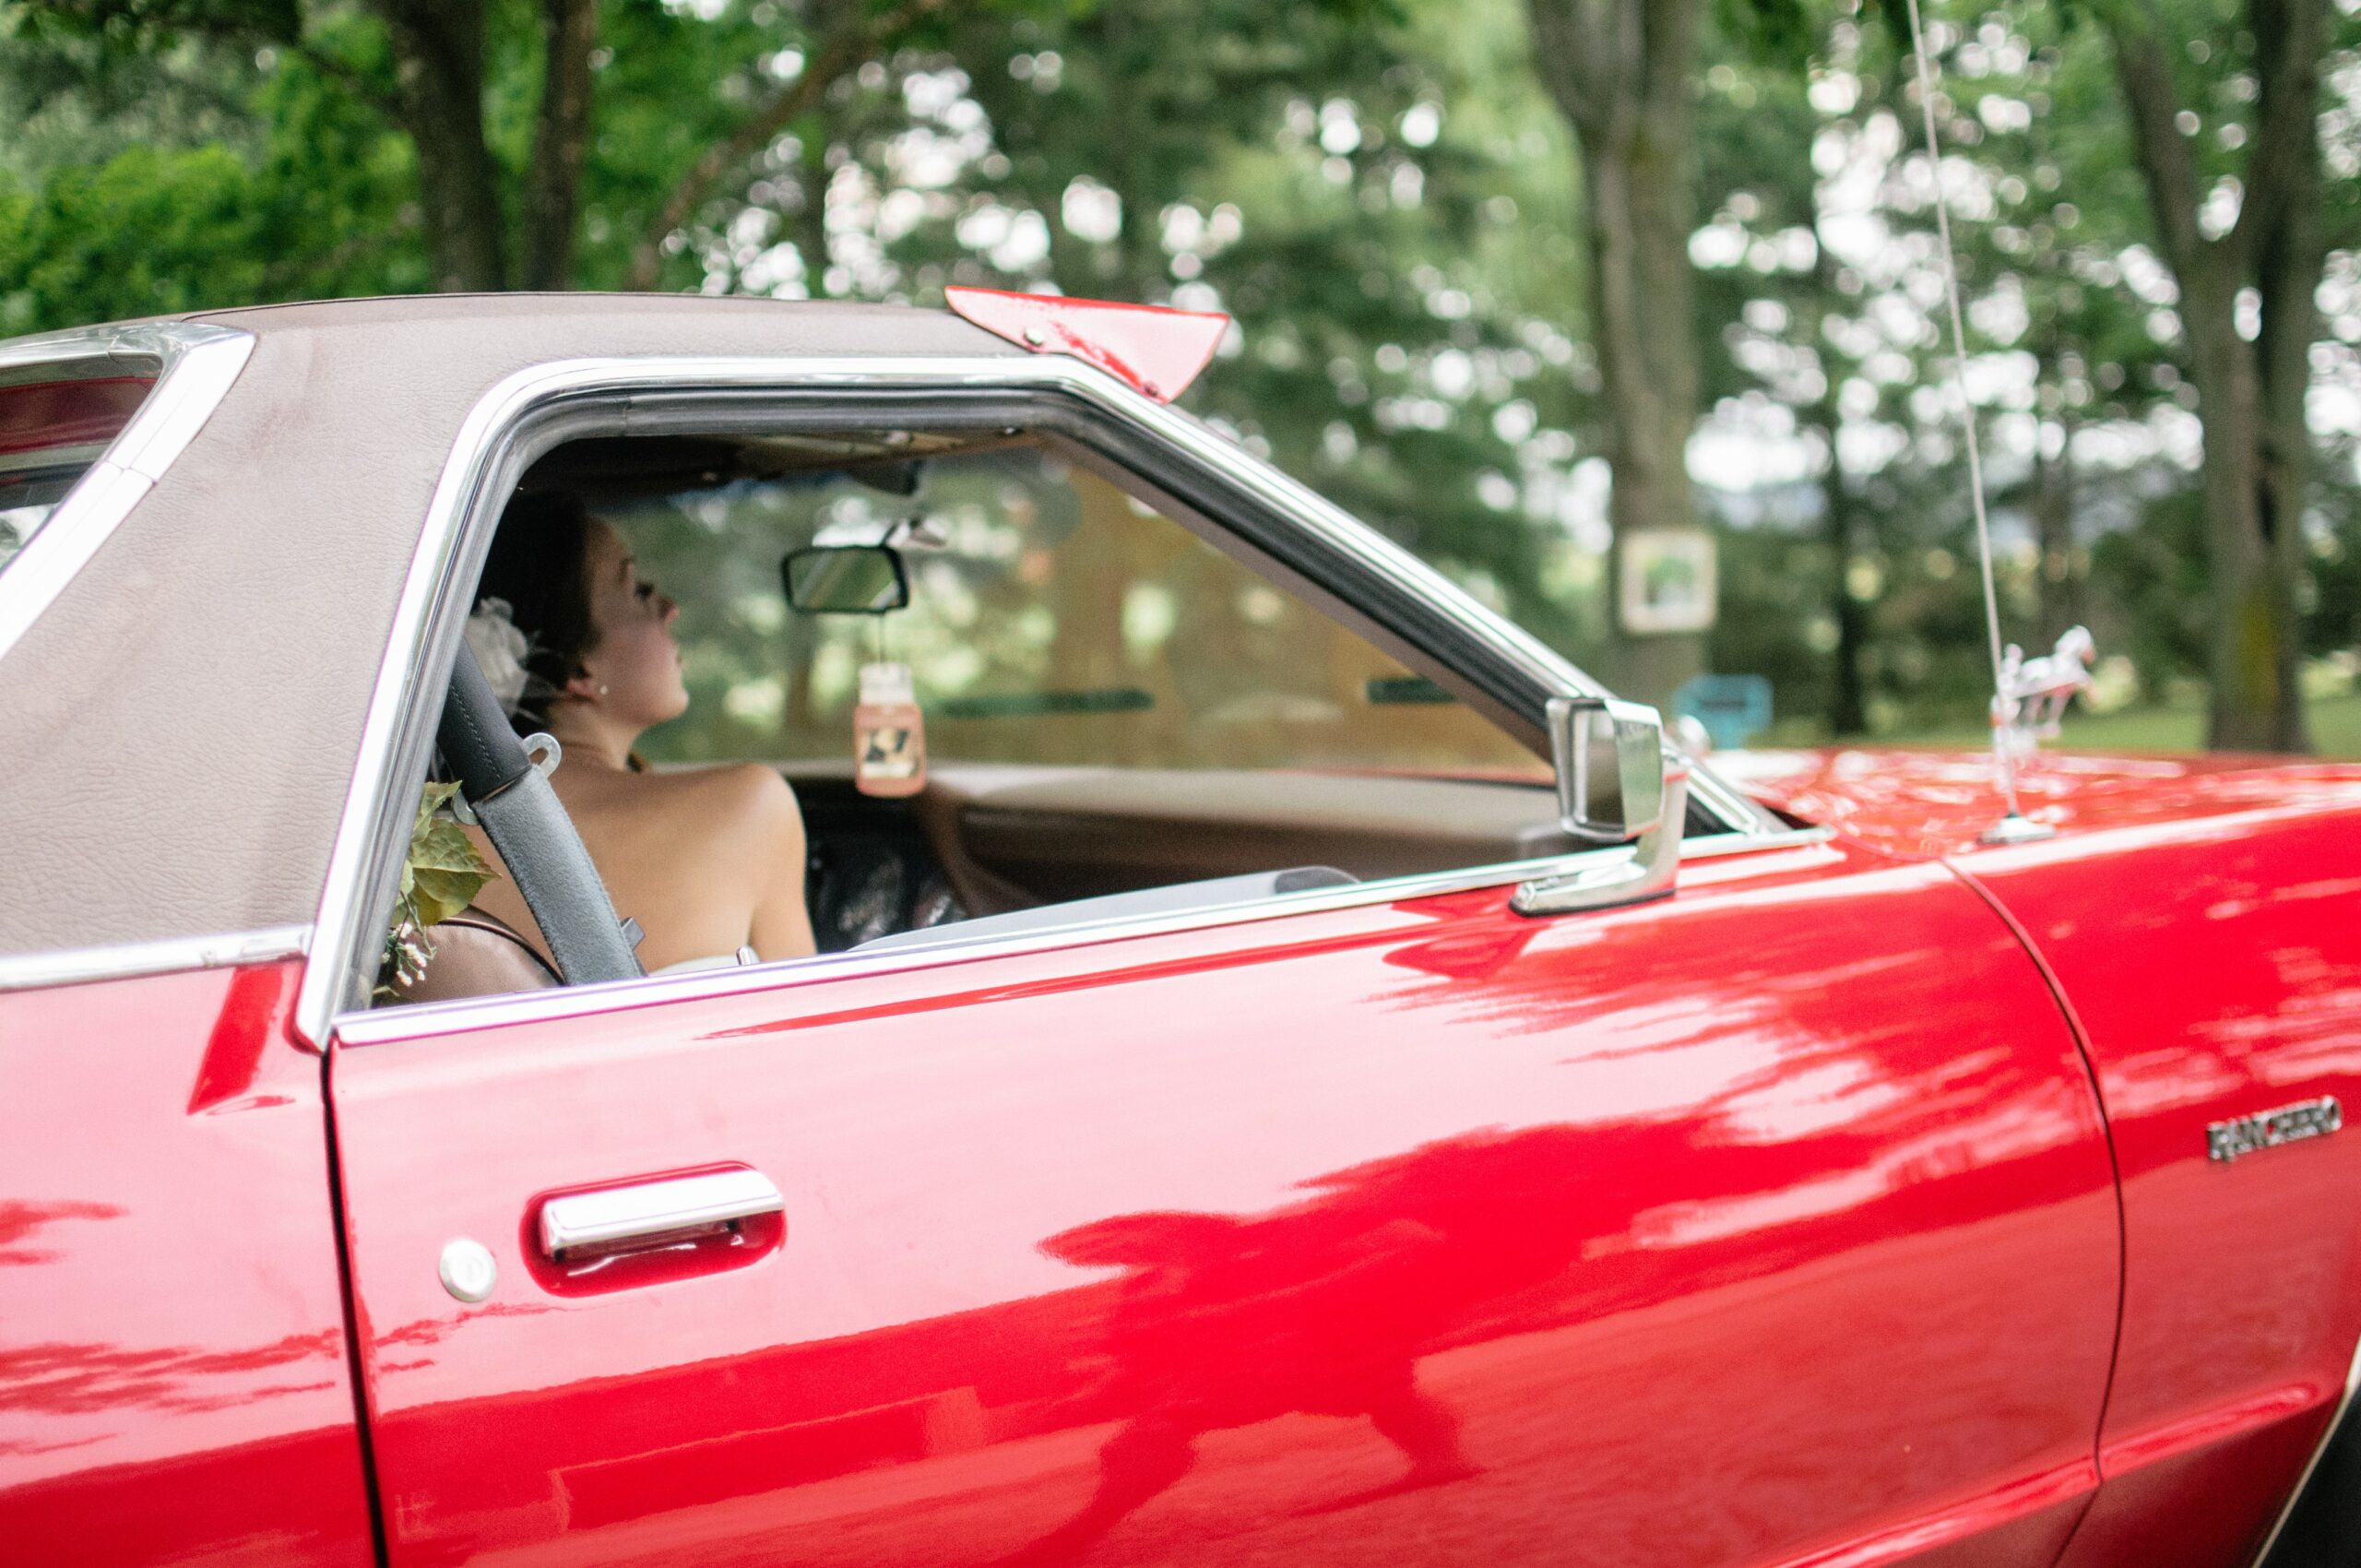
(1638, 242)
(2053, 519)
(1619, 71)
(2289, 255)
(438, 48)
(561, 131)
(1848, 695)
(1841, 515)
(2250, 396)
(2257, 703)
(811, 224)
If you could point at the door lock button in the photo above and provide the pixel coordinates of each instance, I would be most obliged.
(467, 1270)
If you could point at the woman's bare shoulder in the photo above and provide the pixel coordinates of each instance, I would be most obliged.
(734, 797)
(752, 782)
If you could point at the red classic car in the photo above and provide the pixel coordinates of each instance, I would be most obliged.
(1301, 1076)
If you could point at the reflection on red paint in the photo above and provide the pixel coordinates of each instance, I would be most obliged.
(1918, 803)
(1426, 1232)
(2214, 962)
(172, 1372)
(2202, 916)
(234, 1046)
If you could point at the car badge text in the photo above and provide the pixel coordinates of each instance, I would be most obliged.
(2225, 1141)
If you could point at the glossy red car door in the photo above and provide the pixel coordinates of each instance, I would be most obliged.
(174, 1380)
(1770, 1223)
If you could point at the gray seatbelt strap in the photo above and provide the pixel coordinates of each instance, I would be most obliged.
(522, 816)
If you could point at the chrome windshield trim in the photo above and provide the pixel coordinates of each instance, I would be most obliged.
(2320, 1451)
(432, 1019)
(537, 405)
(194, 364)
(1726, 801)
(227, 950)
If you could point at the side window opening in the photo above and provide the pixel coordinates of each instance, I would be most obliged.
(1115, 715)
(1053, 619)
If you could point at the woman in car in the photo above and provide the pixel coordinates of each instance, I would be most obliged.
(708, 860)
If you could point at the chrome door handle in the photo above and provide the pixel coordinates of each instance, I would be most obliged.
(614, 1218)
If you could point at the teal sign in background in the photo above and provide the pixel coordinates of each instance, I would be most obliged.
(1733, 708)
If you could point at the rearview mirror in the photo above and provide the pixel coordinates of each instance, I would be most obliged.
(1610, 759)
(857, 579)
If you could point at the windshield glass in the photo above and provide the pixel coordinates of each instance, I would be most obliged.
(54, 425)
(1053, 618)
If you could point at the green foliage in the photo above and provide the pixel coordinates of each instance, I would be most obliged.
(2334, 579)
(146, 232)
(441, 875)
(1387, 203)
(1774, 619)
(253, 178)
(443, 872)
(2152, 577)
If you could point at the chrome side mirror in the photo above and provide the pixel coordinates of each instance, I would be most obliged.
(1609, 757)
(1616, 785)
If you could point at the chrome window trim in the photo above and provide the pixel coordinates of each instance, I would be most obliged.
(225, 950)
(530, 411)
(435, 1019)
(194, 364)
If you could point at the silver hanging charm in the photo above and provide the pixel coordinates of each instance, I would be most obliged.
(2030, 698)
(2034, 693)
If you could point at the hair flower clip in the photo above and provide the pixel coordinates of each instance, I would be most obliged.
(500, 650)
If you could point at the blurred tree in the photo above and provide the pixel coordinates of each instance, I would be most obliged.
(499, 192)
(144, 184)
(2085, 401)
(841, 36)
(1347, 184)
(1622, 71)
(2238, 220)
(1820, 266)
(1781, 168)
(1395, 205)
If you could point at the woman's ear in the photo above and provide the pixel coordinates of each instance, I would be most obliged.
(583, 687)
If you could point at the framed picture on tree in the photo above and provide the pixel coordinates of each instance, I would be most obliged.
(1667, 581)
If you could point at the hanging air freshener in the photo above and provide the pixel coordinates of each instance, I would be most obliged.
(888, 733)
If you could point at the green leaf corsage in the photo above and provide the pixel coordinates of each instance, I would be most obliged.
(441, 875)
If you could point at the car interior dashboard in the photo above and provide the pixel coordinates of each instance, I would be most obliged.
(991, 841)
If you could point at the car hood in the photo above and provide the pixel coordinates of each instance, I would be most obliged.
(1925, 803)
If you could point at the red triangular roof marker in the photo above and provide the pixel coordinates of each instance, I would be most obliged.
(1157, 350)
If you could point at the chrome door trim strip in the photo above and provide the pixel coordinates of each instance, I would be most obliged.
(2320, 1451)
(225, 950)
(194, 364)
(529, 411)
(436, 1019)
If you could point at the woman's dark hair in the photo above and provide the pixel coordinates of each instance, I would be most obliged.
(540, 564)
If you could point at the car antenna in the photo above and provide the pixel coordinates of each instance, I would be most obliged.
(2028, 697)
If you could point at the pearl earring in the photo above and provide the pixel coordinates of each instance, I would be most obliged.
(602, 691)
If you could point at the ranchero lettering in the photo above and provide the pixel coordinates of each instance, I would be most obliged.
(2225, 1141)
